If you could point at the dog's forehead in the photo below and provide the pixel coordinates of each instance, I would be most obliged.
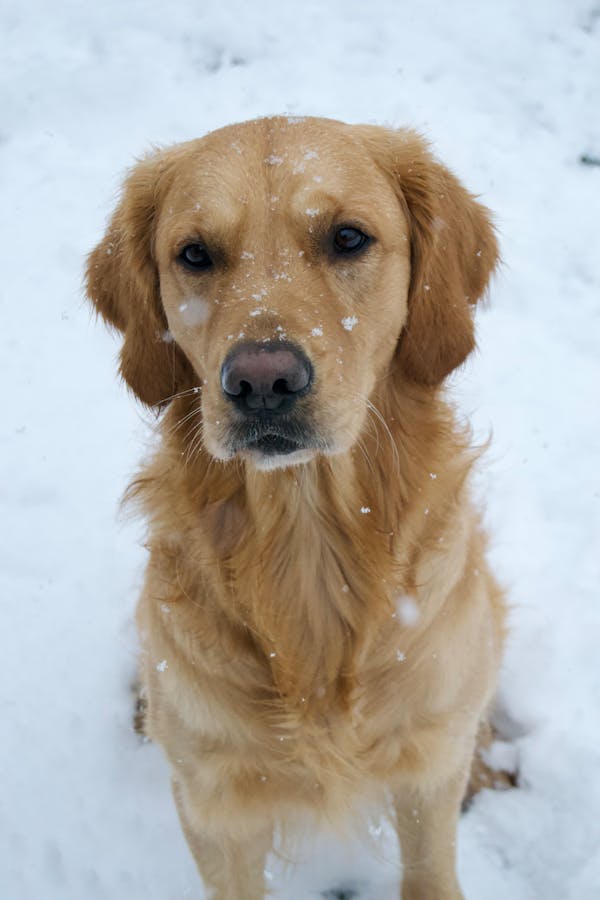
(277, 149)
(270, 161)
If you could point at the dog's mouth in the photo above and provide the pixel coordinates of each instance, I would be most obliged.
(269, 439)
(274, 444)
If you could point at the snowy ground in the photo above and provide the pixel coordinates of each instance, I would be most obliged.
(510, 94)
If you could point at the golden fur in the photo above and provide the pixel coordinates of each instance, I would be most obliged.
(320, 630)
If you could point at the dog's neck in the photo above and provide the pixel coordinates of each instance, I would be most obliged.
(308, 557)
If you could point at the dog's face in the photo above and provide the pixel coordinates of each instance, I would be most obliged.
(285, 267)
(284, 285)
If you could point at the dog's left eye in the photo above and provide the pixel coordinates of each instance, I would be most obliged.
(349, 240)
(195, 256)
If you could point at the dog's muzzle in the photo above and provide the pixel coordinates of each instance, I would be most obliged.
(263, 382)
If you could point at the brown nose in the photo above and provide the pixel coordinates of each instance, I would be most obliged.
(269, 376)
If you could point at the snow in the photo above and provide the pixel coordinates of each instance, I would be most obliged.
(407, 611)
(509, 94)
(194, 311)
(502, 756)
(349, 322)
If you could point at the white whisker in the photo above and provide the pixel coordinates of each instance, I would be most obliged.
(161, 402)
(190, 415)
(378, 417)
(372, 408)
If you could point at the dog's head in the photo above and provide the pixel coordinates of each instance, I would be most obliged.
(284, 267)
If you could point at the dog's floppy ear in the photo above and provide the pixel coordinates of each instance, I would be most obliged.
(122, 283)
(453, 253)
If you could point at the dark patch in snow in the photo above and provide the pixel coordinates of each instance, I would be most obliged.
(212, 58)
(349, 892)
(586, 159)
(592, 19)
(139, 713)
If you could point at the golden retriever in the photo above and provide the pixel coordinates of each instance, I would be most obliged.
(320, 628)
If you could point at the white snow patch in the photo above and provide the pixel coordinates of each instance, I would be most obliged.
(407, 610)
(501, 756)
(162, 666)
(317, 331)
(194, 311)
(349, 322)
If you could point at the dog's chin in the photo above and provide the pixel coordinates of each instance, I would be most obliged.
(270, 451)
(268, 455)
(268, 461)
(273, 448)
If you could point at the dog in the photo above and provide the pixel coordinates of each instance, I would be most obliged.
(320, 628)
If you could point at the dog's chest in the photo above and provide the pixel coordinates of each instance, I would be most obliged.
(327, 729)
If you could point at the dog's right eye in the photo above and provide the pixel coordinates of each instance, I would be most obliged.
(195, 256)
(349, 240)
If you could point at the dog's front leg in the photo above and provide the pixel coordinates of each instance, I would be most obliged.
(426, 820)
(232, 866)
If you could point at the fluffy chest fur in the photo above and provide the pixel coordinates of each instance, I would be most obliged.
(298, 624)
